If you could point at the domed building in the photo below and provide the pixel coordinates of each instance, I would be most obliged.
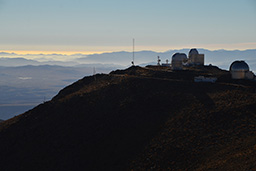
(178, 60)
(195, 58)
(193, 52)
(240, 70)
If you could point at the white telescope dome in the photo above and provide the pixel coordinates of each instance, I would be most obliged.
(239, 66)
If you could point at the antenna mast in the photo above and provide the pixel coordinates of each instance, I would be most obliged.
(133, 51)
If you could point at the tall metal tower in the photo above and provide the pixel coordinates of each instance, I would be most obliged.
(133, 42)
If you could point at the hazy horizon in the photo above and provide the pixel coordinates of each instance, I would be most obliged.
(36, 56)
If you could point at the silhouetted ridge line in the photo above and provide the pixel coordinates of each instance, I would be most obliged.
(138, 118)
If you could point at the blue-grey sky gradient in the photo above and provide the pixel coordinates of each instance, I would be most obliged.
(100, 25)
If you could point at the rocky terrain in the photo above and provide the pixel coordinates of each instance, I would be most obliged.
(148, 118)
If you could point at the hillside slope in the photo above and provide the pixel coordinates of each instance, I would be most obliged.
(138, 118)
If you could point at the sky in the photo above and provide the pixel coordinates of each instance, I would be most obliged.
(97, 26)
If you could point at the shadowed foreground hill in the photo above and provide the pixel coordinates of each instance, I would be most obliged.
(141, 119)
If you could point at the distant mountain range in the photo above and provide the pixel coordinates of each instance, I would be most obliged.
(12, 62)
(221, 58)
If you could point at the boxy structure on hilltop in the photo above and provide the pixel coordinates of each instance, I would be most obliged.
(181, 59)
(194, 58)
(178, 60)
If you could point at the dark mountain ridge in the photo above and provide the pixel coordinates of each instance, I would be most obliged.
(148, 118)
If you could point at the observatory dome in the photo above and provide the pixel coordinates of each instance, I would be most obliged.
(239, 66)
(193, 52)
(179, 57)
(240, 70)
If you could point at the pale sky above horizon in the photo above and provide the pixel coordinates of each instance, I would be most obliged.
(85, 26)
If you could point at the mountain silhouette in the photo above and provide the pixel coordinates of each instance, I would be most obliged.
(149, 118)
